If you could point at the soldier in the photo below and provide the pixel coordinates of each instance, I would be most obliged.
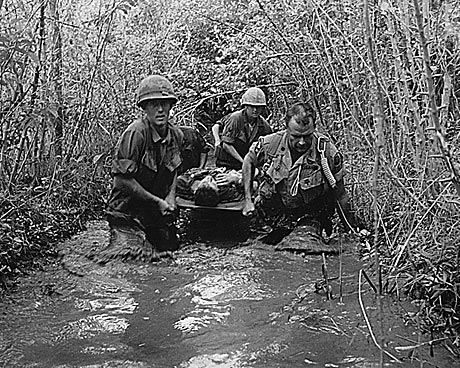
(194, 149)
(241, 129)
(144, 169)
(301, 177)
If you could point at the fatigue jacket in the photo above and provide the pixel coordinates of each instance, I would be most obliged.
(298, 183)
(151, 160)
(240, 134)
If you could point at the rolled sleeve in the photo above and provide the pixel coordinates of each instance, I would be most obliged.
(128, 153)
(231, 132)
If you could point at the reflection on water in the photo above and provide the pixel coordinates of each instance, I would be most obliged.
(210, 307)
(213, 293)
(119, 305)
(93, 325)
(214, 361)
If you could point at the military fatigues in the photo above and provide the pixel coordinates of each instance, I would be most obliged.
(194, 145)
(290, 191)
(239, 133)
(143, 155)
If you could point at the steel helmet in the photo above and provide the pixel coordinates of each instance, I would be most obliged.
(254, 96)
(155, 87)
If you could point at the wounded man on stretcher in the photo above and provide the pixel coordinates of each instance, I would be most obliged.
(210, 186)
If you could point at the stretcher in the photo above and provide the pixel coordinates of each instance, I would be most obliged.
(228, 206)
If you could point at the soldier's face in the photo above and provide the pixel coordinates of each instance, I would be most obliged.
(300, 136)
(158, 112)
(254, 111)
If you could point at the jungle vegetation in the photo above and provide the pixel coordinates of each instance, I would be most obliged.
(384, 76)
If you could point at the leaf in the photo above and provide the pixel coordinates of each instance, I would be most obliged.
(33, 57)
(98, 158)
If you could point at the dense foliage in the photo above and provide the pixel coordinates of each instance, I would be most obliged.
(69, 69)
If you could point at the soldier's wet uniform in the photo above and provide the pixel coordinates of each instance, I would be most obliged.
(295, 193)
(152, 161)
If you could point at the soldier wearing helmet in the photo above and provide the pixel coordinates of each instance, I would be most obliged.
(242, 128)
(301, 179)
(144, 168)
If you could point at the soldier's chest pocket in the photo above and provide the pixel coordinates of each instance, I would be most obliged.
(311, 177)
(149, 160)
(171, 159)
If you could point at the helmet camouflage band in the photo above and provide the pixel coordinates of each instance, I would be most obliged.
(254, 96)
(155, 87)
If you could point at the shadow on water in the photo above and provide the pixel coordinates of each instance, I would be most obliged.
(218, 303)
(219, 228)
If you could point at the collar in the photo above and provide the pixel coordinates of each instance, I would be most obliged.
(156, 137)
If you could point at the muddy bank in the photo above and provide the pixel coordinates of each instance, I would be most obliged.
(216, 304)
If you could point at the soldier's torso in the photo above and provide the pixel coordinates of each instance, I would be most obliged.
(154, 165)
(297, 183)
(246, 134)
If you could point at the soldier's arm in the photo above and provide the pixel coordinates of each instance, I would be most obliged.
(133, 189)
(171, 197)
(248, 208)
(250, 163)
(216, 134)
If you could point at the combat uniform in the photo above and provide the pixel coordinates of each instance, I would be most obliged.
(290, 191)
(152, 161)
(239, 133)
(194, 145)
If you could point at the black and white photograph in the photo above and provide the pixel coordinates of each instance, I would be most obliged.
(229, 183)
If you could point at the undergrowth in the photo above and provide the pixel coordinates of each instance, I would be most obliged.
(34, 218)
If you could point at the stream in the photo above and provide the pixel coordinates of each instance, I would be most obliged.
(217, 303)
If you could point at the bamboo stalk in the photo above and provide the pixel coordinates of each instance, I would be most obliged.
(368, 323)
(434, 112)
(379, 141)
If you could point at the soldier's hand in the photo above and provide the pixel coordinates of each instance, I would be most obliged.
(249, 209)
(165, 208)
(228, 178)
(216, 145)
(171, 200)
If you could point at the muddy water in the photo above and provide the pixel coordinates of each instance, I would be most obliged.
(232, 305)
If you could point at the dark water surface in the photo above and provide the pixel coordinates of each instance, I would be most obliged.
(232, 305)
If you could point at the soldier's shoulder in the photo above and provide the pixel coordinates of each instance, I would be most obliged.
(138, 126)
(236, 116)
(274, 136)
(176, 131)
